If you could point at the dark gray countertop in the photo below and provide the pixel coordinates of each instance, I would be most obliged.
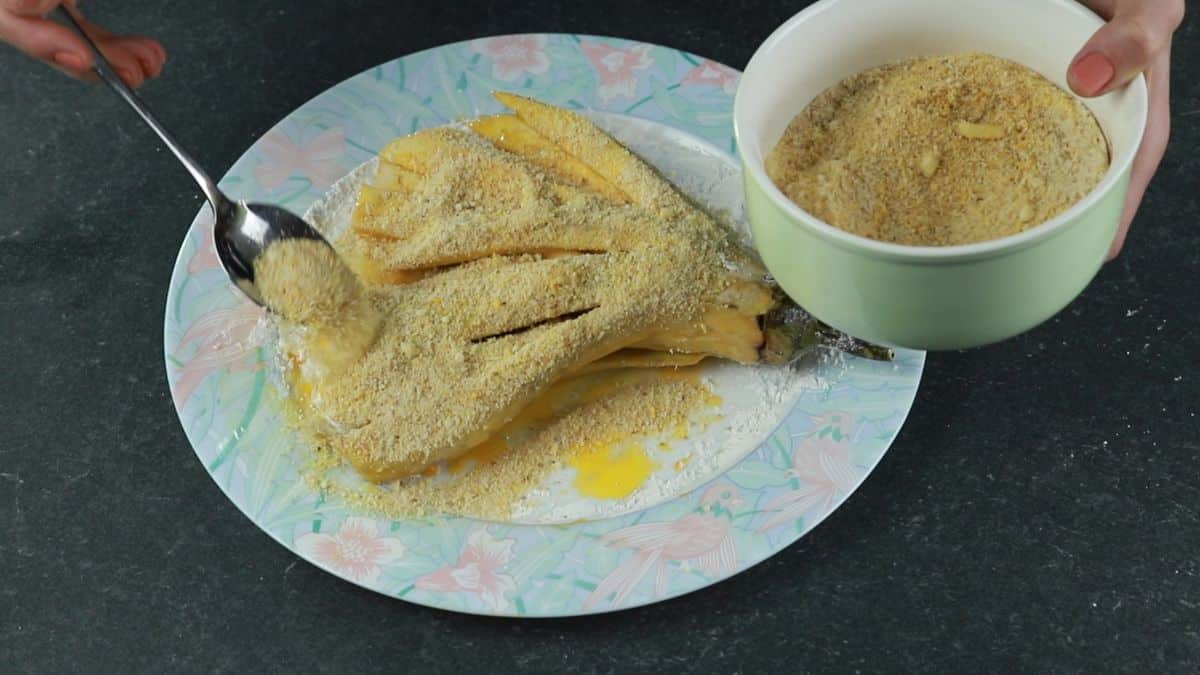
(1038, 512)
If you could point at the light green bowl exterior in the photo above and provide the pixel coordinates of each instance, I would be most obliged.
(933, 304)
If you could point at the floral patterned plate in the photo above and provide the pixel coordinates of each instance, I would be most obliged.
(217, 358)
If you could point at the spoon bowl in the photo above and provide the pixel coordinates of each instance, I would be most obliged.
(241, 231)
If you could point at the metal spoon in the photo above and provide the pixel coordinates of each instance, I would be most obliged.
(241, 231)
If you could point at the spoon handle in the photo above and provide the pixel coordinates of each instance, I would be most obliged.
(105, 70)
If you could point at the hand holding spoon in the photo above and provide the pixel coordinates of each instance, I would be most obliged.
(241, 231)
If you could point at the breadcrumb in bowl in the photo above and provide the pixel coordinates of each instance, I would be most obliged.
(921, 296)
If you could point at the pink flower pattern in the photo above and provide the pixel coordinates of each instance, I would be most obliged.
(617, 68)
(356, 550)
(477, 571)
(318, 159)
(714, 74)
(702, 536)
(821, 461)
(224, 337)
(514, 56)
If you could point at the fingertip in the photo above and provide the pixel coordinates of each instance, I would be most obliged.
(157, 47)
(1091, 74)
(141, 53)
(157, 55)
(1118, 242)
(131, 76)
(152, 70)
(145, 58)
(1115, 250)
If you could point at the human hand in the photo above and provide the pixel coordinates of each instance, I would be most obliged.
(1136, 39)
(24, 26)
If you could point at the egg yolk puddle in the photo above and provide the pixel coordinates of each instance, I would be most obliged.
(607, 435)
(613, 467)
(617, 467)
(611, 470)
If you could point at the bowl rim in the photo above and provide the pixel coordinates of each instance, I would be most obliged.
(756, 170)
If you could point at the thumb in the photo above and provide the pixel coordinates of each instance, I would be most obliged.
(42, 38)
(46, 40)
(1125, 46)
(29, 7)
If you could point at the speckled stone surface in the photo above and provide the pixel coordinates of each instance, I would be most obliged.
(1038, 513)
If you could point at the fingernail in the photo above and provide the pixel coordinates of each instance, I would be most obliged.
(1092, 73)
(70, 61)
